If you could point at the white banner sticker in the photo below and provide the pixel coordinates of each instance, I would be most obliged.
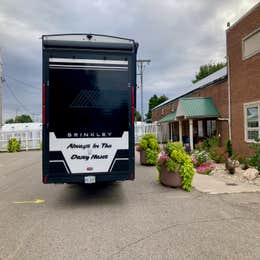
(88, 155)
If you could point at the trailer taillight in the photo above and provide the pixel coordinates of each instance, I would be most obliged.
(133, 105)
(43, 104)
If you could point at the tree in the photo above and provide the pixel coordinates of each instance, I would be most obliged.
(138, 116)
(9, 121)
(153, 102)
(23, 119)
(208, 69)
(19, 119)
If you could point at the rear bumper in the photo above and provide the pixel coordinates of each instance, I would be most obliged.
(80, 178)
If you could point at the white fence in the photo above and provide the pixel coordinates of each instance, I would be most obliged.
(161, 131)
(30, 139)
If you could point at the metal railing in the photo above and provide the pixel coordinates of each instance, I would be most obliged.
(29, 139)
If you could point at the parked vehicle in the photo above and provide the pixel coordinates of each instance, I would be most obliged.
(89, 93)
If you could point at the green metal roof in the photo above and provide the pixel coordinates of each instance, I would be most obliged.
(170, 117)
(197, 107)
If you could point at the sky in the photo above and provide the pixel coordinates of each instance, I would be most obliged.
(178, 37)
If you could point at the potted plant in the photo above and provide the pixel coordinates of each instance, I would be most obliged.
(175, 167)
(149, 149)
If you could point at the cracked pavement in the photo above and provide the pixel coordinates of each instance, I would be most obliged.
(126, 220)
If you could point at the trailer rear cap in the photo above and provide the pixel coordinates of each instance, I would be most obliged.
(89, 41)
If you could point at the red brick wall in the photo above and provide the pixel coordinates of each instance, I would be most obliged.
(219, 94)
(244, 76)
(157, 113)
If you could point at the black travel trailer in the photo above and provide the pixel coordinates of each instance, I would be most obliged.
(88, 108)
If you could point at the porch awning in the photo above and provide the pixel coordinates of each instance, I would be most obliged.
(197, 107)
(169, 118)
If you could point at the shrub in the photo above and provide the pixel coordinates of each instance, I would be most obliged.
(13, 145)
(151, 147)
(199, 157)
(205, 168)
(244, 162)
(208, 144)
(229, 148)
(217, 154)
(171, 146)
(200, 146)
(213, 142)
(255, 159)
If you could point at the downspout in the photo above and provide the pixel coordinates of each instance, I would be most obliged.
(229, 94)
(229, 102)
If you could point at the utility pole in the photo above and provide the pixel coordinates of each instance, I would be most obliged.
(141, 66)
(1, 89)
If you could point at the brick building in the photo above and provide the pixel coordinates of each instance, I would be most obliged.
(227, 102)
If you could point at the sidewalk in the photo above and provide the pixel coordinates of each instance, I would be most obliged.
(211, 185)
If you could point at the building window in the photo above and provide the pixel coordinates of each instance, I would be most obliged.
(211, 128)
(252, 121)
(251, 44)
(200, 128)
(172, 107)
(162, 112)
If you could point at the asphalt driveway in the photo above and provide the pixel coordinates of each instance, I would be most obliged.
(127, 220)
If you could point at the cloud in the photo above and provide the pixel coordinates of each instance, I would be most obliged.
(178, 36)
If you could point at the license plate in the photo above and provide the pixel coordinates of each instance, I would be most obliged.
(90, 179)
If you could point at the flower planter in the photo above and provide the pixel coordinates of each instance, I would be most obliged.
(172, 179)
(143, 158)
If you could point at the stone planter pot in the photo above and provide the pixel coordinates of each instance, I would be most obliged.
(172, 179)
(143, 158)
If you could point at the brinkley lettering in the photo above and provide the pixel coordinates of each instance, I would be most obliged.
(89, 134)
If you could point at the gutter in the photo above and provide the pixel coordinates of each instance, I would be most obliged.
(229, 102)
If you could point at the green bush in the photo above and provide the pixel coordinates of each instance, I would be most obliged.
(255, 159)
(208, 144)
(199, 157)
(229, 148)
(171, 146)
(13, 145)
(217, 154)
(151, 147)
(213, 142)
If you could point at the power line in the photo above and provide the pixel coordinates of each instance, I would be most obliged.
(18, 80)
(16, 98)
(22, 82)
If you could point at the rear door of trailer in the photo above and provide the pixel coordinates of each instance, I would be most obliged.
(88, 108)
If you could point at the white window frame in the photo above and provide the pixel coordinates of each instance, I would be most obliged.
(246, 128)
(172, 107)
(244, 57)
(162, 113)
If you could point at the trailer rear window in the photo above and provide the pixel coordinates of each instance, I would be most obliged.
(88, 101)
